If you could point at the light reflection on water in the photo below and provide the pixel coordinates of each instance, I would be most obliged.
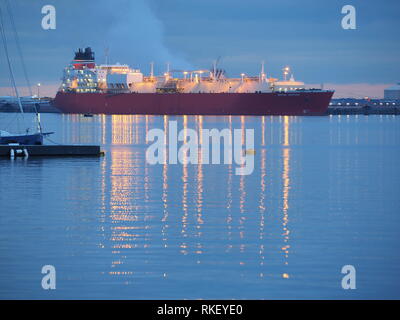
(322, 195)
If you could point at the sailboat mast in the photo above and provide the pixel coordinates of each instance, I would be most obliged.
(21, 57)
(3, 36)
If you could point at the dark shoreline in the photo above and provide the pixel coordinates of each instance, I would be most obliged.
(366, 110)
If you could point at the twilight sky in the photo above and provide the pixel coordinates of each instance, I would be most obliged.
(307, 35)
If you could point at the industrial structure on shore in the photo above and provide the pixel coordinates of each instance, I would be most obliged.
(393, 92)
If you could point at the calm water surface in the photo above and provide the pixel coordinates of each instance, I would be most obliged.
(324, 193)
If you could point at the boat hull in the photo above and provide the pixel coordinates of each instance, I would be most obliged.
(271, 103)
(29, 139)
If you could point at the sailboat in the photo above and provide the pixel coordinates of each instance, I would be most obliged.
(25, 138)
(21, 139)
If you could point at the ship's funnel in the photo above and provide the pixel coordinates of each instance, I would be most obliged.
(86, 54)
(84, 59)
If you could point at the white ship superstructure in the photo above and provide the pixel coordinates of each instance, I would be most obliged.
(82, 75)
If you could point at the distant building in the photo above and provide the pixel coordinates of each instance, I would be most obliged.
(393, 93)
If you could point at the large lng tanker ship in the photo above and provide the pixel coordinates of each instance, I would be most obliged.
(118, 89)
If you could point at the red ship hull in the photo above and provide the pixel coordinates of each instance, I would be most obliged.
(271, 103)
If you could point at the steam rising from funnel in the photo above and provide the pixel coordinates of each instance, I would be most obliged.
(134, 36)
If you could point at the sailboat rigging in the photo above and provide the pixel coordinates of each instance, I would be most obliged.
(24, 138)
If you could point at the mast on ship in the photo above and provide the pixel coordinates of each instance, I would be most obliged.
(286, 71)
(151, 70)
(262, 74)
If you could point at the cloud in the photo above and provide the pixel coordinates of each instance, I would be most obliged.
(130, 29)
(305, 35)
(135, 36)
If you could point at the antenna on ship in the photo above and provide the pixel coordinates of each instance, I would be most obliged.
(215, 70)
(262, 75)
(151, 70)
(242, 77)
(106, 53)
(285, 73)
